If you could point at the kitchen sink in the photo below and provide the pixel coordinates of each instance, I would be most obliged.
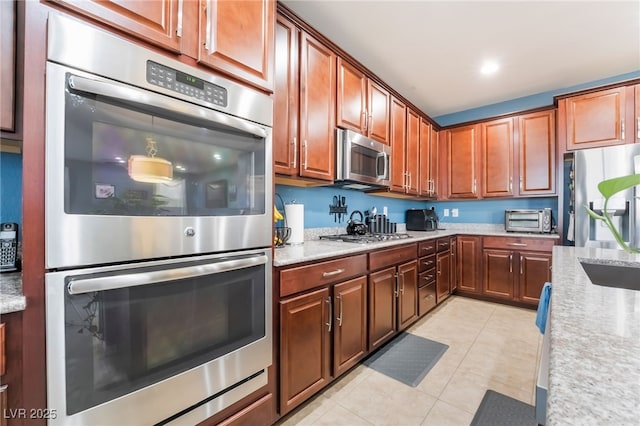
(619, 274)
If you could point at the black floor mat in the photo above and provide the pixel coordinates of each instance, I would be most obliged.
(497, 409)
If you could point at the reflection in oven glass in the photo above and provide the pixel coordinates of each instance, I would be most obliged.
(121, 340)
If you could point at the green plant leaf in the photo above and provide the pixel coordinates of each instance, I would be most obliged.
(593, 214)
(610, 187)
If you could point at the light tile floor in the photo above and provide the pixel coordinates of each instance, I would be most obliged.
(491, 346)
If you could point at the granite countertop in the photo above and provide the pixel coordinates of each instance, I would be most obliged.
(594, 358)
(316, 249)
(11, 298)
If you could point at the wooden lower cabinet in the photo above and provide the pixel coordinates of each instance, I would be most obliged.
(349, 324)
(382, 306)
(443, 276)
(407, 294)
(469, 252)
(453, 244)
(515, 268)
(305, 334)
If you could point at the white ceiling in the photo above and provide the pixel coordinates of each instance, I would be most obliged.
(431, 51)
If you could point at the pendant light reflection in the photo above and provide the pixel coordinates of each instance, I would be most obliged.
(149, 168)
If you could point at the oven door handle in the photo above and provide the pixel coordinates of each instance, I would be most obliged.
(143, 97)
(88, 285)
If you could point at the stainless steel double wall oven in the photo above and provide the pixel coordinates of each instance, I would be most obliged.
(158, 234)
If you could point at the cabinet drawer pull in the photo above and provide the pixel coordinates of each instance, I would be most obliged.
(427, 248)
(428, 277)
(518, 244)
(3, 388)
(428, 263)
(332, 273)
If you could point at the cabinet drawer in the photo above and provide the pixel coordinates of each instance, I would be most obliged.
(426, 262)
(443, 244)
(427, 247)
(392, 256)
(307, 277)
(427, 277)
(426, 298)
(519, 243)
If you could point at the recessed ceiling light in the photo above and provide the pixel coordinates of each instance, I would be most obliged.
(489, 67)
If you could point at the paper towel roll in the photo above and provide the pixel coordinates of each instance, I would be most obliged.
(295, 221)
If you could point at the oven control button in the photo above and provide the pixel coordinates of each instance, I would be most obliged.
(189, 231)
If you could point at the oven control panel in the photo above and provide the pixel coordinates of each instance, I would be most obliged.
(178, 81)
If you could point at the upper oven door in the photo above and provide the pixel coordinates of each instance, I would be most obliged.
(134, 174)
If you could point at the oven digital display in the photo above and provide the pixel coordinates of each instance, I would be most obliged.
(189, 79)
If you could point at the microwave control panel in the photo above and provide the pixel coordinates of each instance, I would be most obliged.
(178, 81)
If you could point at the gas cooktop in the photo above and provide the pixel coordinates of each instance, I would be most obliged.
(366, 238)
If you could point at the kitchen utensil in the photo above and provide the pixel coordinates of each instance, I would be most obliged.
(355, 226)
(282, 235)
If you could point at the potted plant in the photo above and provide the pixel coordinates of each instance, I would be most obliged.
(608, 188)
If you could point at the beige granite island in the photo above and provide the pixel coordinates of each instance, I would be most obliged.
(594, 358)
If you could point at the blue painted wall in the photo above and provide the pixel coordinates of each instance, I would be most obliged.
(524, 103)
(317, 200)
(10, 187)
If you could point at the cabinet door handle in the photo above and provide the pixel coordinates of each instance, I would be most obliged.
(179, 26)
(339, 297)
(511, 184)
(622, 129)
(295, 153)
(364, 119)
(207, 38)
(438, 268)
(520, 183)
(332, 273)
(521, 265)
(395, 292)
(304, 163)
(510, 263)
(474, 187)
(638, 128)
(328, 324)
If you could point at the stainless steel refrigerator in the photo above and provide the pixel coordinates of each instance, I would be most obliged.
(591, 167)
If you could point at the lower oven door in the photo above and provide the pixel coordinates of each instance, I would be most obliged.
(143, 343)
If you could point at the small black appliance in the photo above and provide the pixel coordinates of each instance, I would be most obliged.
(422, 219)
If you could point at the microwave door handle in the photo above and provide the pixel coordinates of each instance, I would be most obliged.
(132, 94)
(385, 162)
(112, 282)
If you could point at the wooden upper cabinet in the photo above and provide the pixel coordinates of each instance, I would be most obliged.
(637, 114)
(286, 98)
(497, 158)
(424, 153)
(317, 109)
(398, 141)
(537, 153)
(161, 23)
(7, 65)
(236, 37)
(412, 152)
(362, 104)
(463, 159)
(598, 119)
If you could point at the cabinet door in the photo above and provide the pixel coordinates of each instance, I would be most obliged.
(157, 22)
(454, 264)
(597, 119)
(352, 98)
(535, 271)
(407, 294)
(469, 264)
(497, 158)
(378, 109)
(499, 273)
(424, 154)
(305, 323)
(317, 109)
(285, 99)
(382, 306)
(463, 158)
(398, 140)
(237, 38)
(434, 160)
(350, 324)
(443, 275)
(637, 112)
(537, 146)
(7, 65)
(412, 150)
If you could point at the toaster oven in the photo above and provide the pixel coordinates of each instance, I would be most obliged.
(534, 221)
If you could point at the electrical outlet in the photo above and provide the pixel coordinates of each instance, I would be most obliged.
(454, 212)
(446, 212)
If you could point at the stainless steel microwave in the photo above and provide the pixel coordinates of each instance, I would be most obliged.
(535, 221)
(362, 163)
